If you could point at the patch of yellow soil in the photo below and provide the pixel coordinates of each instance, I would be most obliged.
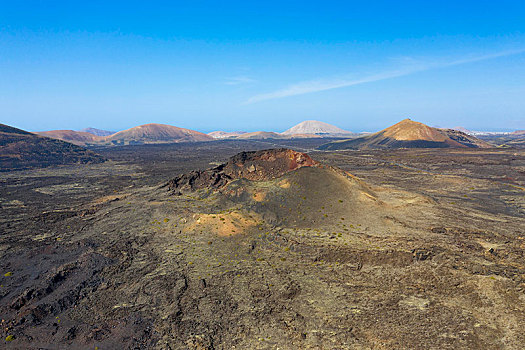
(259, 196)
(226, 224)
(284, 183)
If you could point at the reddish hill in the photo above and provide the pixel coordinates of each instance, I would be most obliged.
(156, 133)
(410, 134)
(76, 137)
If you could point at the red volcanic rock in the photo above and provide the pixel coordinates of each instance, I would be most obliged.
(255, 166)
(266, 164)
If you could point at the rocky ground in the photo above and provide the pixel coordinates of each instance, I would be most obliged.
(411, 249)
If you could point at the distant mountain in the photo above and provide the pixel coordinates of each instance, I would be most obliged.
(314, 127)
(518, 133)
(410, 134)
(225, 134)
(260, 135)
(97, 132)
(143, 134)
(156, 133)
(20, 149)
(77, 137)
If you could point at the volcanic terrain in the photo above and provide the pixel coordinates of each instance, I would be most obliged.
(267, 249)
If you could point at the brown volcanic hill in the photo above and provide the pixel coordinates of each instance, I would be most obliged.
(76, 137)
(156, 133)
(518, 133)
(284, 187)
(410, 134)
(256, 165)
(20, 149)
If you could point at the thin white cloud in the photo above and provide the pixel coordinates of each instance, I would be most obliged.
(323, 85)
(239, 80)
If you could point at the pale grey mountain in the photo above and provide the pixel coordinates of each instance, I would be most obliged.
(314, 127)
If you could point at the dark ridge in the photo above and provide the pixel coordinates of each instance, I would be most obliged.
(20, 150)
(11, 130)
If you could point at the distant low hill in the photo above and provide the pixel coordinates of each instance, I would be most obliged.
(410, 134)
(156, 133)
(515, 139)
(97, 132)
(77, 137)
(260, 135)
(225, 134)
(314, 127)
(143, 134)
(20, 149)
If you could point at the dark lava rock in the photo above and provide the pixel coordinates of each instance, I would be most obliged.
(421, 254)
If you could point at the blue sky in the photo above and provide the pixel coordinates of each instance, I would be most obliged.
(262, 65)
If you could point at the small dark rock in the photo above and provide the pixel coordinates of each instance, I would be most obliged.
(421, 254)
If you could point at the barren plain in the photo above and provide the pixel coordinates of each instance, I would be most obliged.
(389, 249)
